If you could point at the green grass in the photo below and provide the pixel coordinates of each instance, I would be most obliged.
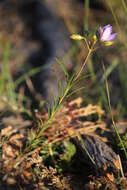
(6, 82)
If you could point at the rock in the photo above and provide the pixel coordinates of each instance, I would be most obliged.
(97, 154)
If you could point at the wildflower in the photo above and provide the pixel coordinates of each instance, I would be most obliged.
(105, 34)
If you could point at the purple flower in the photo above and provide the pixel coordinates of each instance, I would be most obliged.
(105, 34)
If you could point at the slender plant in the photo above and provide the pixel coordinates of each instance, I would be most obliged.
(102, 37)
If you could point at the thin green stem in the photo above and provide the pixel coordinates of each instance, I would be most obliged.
(110, 109)
(80, 71)
(87, 57)
(116, 21)
(124, 6)
(84, 147)
(113, 14)
(65, 93)
(86, 43)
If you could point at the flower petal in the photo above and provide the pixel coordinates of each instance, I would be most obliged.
(106, 33)
(112, 37)
(100, 31)
(107, 26)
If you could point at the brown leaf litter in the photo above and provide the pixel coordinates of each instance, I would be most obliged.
(72, 121)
